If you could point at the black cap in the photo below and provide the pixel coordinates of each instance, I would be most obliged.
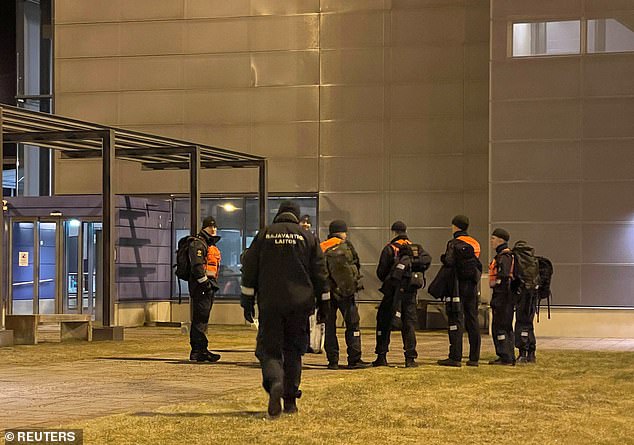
(399, 226)
(289, 207)
(337, 226)
(461, 222)
(305, 219)
(501, 233)
(209, 221)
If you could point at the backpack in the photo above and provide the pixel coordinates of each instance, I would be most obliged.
(182, 268)
(341, 269)
(545, 277)
(526, 265)
(410, 262)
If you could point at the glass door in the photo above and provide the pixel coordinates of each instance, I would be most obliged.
(91, 266)
(72, 267)
(23, 267)
(47, 270)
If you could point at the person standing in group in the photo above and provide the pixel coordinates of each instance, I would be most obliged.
(463, 256)
(204, 258)
(501, 272)
(399, 296)
(342, 263)
(284, 269)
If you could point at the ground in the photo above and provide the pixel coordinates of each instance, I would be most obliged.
(144, 391)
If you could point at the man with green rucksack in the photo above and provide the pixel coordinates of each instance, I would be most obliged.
(342, 263)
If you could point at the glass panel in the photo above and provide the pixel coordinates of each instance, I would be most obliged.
(23, 271)
(90, 264)
(71, 266)
(238, 222)
(46, 294)
(610, 35)
(546, 38)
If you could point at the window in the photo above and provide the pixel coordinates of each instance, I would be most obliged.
(546, 38)
(610, 35)
(238, 223)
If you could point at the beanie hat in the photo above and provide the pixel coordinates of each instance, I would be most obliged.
(290, 207)
(305, 219)
(501, 233)
(399, 226)
(209, 221)
(461, 222)
(337, 226)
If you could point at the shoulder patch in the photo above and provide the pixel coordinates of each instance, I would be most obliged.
(199, 252)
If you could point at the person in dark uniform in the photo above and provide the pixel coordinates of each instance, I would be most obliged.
(342, 298)
(284, 268)
(462, 255)
(397, 301)
(204, 258)
(525, 310)
(502, 298)
(305, 222)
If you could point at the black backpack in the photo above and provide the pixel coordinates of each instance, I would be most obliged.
(182, 268)
(410, 262)
(545, 278)
(526, 265)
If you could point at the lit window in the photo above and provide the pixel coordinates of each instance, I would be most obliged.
(546, 38)
(610, 36)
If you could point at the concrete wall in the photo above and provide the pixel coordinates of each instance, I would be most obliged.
(378, 105)
(562, 154)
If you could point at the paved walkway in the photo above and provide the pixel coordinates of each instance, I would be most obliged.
(37, 393)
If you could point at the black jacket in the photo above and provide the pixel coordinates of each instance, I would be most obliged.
(462, 257)
(284, 267)
(198, 257)
(504, 264)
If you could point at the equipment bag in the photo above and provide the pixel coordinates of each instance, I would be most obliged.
(410, 262)
(526, 265)
(182, 268)
(545, 278)
(342, 270)
(317, 335)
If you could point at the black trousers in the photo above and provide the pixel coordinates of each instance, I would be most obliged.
(350, 311)
(503, 306)
(461, 317)
(282, 340)
(386, 312)
(201, 308)
(524, 317)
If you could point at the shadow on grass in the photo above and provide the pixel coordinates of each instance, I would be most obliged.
(172, 361)
(252, 414)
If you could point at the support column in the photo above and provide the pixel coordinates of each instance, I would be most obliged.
(194, 190)
(108, 212)
(3, 284)
(263, 192)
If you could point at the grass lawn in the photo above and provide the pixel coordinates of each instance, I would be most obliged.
(569, 397)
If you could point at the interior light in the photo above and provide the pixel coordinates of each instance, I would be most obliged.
(229, 207)
(74, 222)
(55, 213)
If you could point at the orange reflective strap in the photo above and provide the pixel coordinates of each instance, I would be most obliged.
(473, 243)
(493, 273)
(330, 242)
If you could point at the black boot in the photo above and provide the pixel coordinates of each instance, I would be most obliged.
(275, 400)
(381, 360)
(523, 358)
(359, 364)
(450, 362)
(290, 405)
(204, 356)
(410, 363)
(530, 358)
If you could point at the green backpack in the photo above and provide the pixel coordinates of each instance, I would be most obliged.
(526, 265)
(341, 269)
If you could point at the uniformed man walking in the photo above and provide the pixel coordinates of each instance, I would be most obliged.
(204, 258)
(284, 268)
